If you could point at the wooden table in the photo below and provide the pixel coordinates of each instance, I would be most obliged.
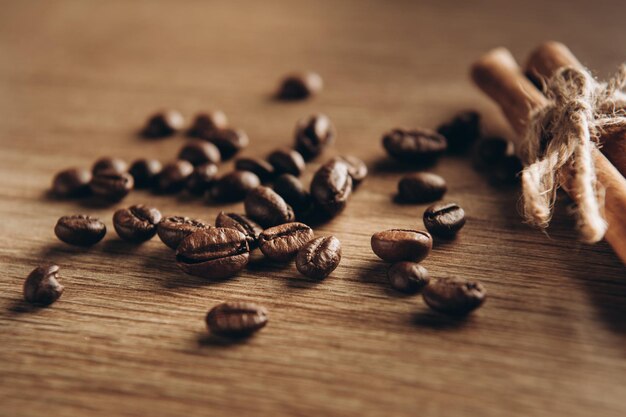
(77, 80)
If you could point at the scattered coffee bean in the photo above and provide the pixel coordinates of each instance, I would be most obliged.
(421, 187)
(506, 171)
(145, 172)
(208, 122)
(281, 243)
(461, 131)
(444, 219)
(173, 177)
(137, 223)
(228, 141)
(172, 230)
(199, 152)
(263, 169)
(108, 164)
(489, 151)
(313, 135)
(454, 296)
(111, 186)
(80, 230)
(318, 258)
(290, 188)
(42, 286)
(331, 187)
(300, 86)
(287, 161)
(72, 182)
(268, 208)
(202, 178)
(356, 168)
(214, 253)
(416, 146)
(407, 277)
(234, 186)
(236, 319)
(397, 245)
(239, 222)
(163, 124)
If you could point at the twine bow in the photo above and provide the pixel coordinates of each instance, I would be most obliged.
(561, 136)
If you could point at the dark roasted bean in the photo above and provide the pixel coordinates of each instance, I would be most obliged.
(331, 187)
(172, 230)
(506, 171)
(234, 186)
(421, 187)
(163, 124)
(268, 208)
(137, 223)
(489, 151)
(42, 286)
(313, 135)
(208, 122)
(80, 230)
(228, 141)
(444, 219)
(145, 172)
(202, 178)
(281, 243)
(300, 86)
(290, 188)
(287, 161)
(199, 152)
(173, 177)
(407, 277)
(461, 131)
(72, 182)
(236, 319)
(111, 185)
(397, 245)
(454, 296)
(318, 258)
(416, 146)
(263, 169)
(245, 225)
(356, 168)
(108, 164)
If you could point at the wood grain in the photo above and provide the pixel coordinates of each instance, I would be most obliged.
(77, 79)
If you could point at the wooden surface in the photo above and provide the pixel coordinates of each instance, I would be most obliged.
(77, 79)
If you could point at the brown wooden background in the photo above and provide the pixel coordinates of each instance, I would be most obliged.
(78, 78)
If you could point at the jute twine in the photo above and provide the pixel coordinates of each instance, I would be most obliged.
(559, 142)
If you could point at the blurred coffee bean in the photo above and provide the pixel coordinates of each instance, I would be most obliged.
(488, 151)
(202, 178)
(145, 172)
(42, 286)
(287, 161)
(300, 86)
(356, 168)
(208, 122)
(407, 277)
(506, 171)
(290, 188)
(313, 134)
(199, 152)
(456, 296)
(415, 146)
(461, 131)
(107, 163)
(111, 185)
(173, 177)
(163, 124)
(268, 208)
(233, 186)
(263, 169)
(421, 187)
(331, 187)
(72, 182)
(236, 319)
(228, 141)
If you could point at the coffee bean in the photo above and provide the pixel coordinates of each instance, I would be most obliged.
(199, 152)
(290, 188)
(163, 124)
(137, 223)
(239, 222)
(461, 131)
(444, 219)
(421, 187)
(42, 286)
(208, 122)
(416, 146)
(236, 319)
(287, 161)
(356, 168)
(80, 230)
(108, 164)
(454, 296)
(397, 245)
(407, 277)
(506, 171)
(300, 86)
(266, 207)
(202, 178)
(331, 187)
(72, 182)
(173, 177)
(172, 230)
(228, 141)
(313, 135)
(111, 186)
(234, 186)
(263, 169)
(489, 151)
(145, 172)
(318, 258)
(281, 243)
(214, 253)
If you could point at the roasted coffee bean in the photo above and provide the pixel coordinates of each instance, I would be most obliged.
(137, 223)
(300, 86)
(80, 230)
(263, 169)
(287, 161)
(236, 319)
(454, 296)
(71, 182)
(444, 219)
(281, 243)
(268, 208)
(290, 188)
(318, 258)
(331, 187)
(111, 186)
(172, 230)
(199, 152)
(214, 253)
(313, 135)
(398, 245)
(163, 124)
(202, 178)
(489, 151)
(356, 168)
(208, 122)
(407, 277)
(239, 222)
(234, 186)
(228, 141)
(421, 187)
(173, 177)
(506, 171)
(145, 172)
(416, 146)
(461, 131)
(108, 164)
(42, 286)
